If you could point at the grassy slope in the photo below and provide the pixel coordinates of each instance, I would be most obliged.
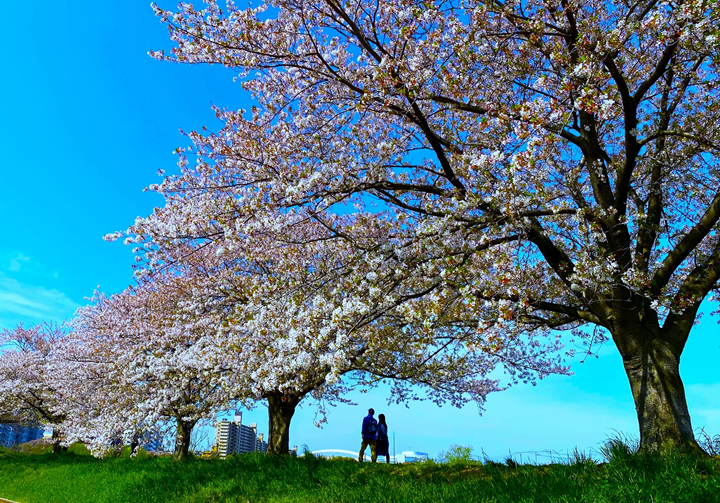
(72, 478)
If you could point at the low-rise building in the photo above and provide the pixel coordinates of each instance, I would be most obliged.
(414, 456)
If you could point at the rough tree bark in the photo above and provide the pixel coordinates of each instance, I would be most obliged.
(651, 357)
(182, 440)
(57, 447)
(281, 409)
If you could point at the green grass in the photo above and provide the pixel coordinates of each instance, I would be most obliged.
(626, 477)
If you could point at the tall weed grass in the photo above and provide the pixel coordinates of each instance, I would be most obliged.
(625, 476)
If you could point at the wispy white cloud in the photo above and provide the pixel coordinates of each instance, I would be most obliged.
(22, 302)
(17, 262)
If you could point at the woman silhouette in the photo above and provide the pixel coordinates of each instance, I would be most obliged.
(383, 444)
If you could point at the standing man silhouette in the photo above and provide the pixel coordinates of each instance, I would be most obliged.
(369, 436)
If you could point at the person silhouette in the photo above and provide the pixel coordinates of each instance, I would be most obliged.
(382, 445)
(369, 436)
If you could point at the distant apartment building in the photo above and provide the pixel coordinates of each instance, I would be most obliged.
(260, 444)
(414, 456)
(152, 441)
(233, 437)
(14, 434)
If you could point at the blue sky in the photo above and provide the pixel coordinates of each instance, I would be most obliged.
(88, 119)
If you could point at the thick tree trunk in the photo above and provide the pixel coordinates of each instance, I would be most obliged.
(280, 411)
(57, 447)
(182, 440)
(653, 369)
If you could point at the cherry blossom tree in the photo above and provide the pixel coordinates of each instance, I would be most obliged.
(186, 343)
(144, 360)
(546, 165)
(290, 310)
(29, 391)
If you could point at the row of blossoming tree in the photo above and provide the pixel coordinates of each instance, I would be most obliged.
(426, 191)
(269, 317)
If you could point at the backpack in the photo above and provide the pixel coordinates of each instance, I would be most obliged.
(371, 428)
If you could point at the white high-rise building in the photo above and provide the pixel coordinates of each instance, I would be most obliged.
(232, 437)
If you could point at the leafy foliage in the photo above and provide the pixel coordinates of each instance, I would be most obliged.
(457, 454)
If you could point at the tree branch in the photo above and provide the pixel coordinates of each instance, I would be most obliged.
(660, 68)
(574, 312)
(686, 245)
